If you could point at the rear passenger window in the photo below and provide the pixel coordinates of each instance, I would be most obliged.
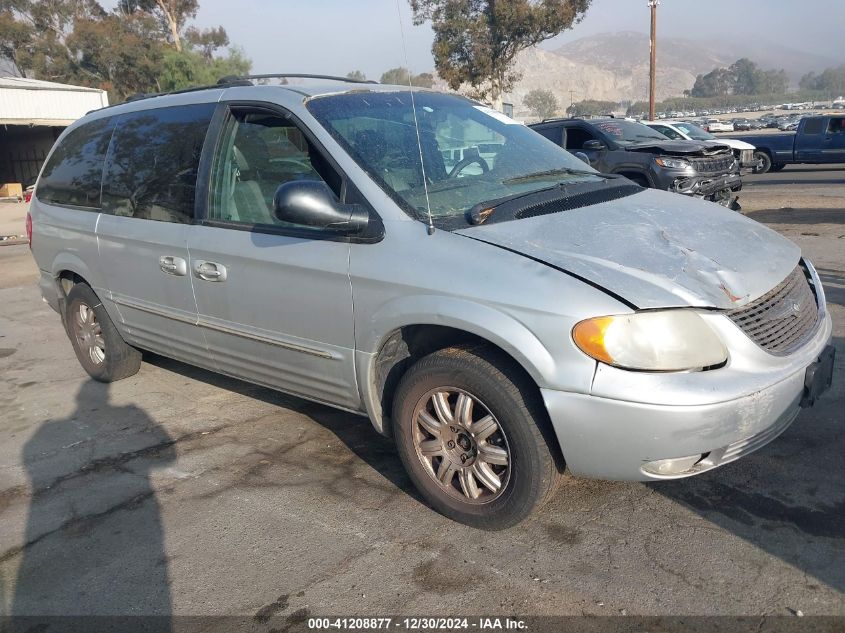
(151, 169)
(554, 134)
(814, 126)
(73, 174)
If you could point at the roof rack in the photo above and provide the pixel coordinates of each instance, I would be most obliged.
(249, 78)
(237, 80)
(223, 83)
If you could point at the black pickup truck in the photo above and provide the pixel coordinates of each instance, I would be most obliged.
(818, 139)
(633, 150)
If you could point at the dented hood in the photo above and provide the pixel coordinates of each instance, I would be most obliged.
(655, 249)
(679, 148)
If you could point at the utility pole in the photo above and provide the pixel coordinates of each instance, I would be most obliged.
(653, 65)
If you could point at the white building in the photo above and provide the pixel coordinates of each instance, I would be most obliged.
(32, 115)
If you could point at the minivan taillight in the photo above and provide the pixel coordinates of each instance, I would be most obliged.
(29, 228)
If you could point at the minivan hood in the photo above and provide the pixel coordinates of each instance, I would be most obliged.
(655, 249)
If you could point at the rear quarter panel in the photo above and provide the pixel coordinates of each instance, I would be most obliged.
(64, 239)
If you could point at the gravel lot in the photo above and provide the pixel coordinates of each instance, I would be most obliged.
(179, 491)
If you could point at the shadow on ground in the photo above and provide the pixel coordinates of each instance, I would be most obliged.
(789, 215)
(94, 541)
(834, 285)
(788, 498)
(355, 431)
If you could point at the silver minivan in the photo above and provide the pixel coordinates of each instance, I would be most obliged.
(499, 308)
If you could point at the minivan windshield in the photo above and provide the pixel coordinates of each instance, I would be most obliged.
(471, 153)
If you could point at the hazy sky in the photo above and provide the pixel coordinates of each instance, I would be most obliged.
(336, 36)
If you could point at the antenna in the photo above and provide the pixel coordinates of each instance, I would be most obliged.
(416, 121)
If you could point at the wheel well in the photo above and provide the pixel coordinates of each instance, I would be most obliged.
(637, 177)
(407, 345)
(410, 343)
(68, 279)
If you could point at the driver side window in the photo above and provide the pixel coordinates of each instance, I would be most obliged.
(576, 137)
(258, 152)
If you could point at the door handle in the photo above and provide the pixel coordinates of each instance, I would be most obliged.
(210, 271)
(173, 265)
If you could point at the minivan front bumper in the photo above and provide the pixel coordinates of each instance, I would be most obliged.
(613, 438)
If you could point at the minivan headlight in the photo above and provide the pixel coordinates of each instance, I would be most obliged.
(660, 340)
(673, 163)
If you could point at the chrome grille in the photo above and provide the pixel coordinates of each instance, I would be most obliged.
(746, 156)
(782, 319)
(721, 163)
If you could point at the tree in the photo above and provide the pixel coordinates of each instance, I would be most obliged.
(356, 75)
(172, 14)
(476, 41)
(399, 76)
(542, 103)
(718, 82)
(743, 77)
(423, 80)
(830, 81)
(402, 77)
(127, 50)
(592, 107)
(207, 42)
(191, 68)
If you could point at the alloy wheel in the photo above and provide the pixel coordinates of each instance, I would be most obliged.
(462, 445)
(89, 334)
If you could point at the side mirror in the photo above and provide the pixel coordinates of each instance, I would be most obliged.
(593, 144)
(311, 203)
(582, 156)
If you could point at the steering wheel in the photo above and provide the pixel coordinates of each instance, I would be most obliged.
(466, 162)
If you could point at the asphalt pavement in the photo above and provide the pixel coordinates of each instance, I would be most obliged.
(178, 491)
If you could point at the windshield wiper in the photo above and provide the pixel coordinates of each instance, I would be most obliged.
(568, 171)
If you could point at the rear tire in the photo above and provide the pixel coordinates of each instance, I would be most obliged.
(100, 349)
(475, 437)
(764, 163)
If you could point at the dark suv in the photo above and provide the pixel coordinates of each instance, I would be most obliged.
(619, 146)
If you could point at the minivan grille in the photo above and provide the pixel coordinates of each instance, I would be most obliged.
(720, 164)
(782, 319)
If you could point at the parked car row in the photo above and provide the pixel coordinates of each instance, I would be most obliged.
(702, 169)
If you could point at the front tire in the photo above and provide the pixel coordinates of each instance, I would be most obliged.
(777, 166)
(474, 437)
(100, 349)
(764, 163)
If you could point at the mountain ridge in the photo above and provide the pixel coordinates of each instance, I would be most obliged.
(614, 66)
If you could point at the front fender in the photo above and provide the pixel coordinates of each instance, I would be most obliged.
(484, 321)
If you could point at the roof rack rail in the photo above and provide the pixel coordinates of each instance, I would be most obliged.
(223, 83)
(231, 79)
